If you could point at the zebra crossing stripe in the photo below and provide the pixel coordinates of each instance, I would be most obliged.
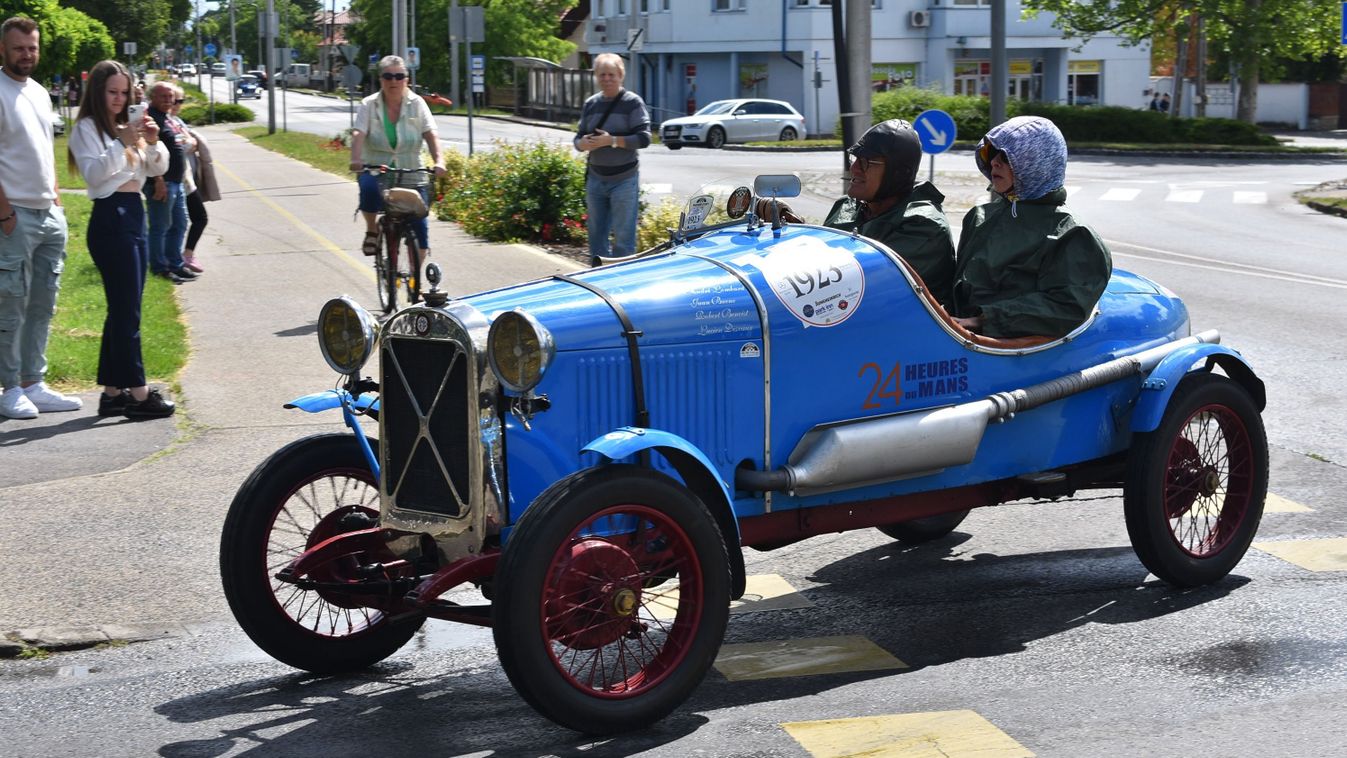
(1245, 197)
(1184, 196)
(1278, 504)
(803, 657)
(1311, 555)
(1120, 194)
(950, 734)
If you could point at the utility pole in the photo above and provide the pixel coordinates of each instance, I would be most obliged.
(399, 28)
(1200, 86)
(859, 64)
(1000, 66)
(1180, 69)
(233, 46)
(269, 50)
(411, 42)
(455, 31)
(843, 88)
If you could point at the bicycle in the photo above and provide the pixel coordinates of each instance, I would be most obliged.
(402, 206)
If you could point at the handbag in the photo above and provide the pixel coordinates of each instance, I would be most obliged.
(603, 120)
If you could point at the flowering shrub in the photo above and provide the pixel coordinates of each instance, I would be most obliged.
(527, 191)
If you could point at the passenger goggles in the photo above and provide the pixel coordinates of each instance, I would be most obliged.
(987, 151)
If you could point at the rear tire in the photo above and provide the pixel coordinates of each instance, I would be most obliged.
(789, 134)
(1195, 486)
(673, 147)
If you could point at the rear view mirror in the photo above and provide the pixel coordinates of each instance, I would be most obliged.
(777, 185)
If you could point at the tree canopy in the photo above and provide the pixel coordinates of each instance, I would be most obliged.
(1250, 33)
(513, 28)
(71, 41)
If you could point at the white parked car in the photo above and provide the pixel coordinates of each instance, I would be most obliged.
(187, 69)
(217, 68)
(742, 120)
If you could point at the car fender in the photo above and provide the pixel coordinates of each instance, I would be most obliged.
(698, 474)
(1159, 386)
(330, 400)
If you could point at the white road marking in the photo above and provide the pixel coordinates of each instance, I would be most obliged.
(1072, 190)
(1250, 198)
(1184, 196)
(1229, 267)
(1121, 194)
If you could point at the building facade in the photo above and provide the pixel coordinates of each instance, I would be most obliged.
(683, 54)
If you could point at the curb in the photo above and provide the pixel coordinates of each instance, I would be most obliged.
(65, 638)
(1332, 210)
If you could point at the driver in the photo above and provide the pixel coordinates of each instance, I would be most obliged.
(884, 203)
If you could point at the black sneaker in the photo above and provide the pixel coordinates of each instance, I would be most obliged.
(113, 405)
(153, 406)
(169, 275)
(184, 273)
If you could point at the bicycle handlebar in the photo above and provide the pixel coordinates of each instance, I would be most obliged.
(371, 168)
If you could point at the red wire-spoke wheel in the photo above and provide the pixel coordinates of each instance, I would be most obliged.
(612, 598)
(1195, 486)
(291, 502)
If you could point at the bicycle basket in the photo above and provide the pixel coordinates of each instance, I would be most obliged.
(405, 202)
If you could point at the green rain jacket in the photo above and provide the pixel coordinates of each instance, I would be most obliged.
(1024, 264)
(1031, 272)
(919, 232)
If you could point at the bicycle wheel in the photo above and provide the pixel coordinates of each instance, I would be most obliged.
(386, 270)
(412, 269)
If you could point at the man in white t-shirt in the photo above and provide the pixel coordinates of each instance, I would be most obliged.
(32, 228)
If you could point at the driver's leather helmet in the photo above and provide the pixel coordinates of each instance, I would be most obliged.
(896, 143)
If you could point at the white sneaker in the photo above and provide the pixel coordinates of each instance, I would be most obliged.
(47, 399)
(15, 404)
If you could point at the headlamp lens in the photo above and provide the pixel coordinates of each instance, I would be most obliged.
(346, 334)
(520, 350)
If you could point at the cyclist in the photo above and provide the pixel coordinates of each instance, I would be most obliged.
(389, 129)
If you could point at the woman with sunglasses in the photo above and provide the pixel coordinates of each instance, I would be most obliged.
(389, 130)
(1025, 266)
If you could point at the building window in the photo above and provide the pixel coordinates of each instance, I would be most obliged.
(1082, 82)
(972, 2)
(601, 9)
(728, 5)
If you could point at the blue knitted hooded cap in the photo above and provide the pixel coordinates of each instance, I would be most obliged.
(1036, 151)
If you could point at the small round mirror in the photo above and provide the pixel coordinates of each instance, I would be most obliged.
(433, 274)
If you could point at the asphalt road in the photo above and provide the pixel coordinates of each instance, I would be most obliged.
(1033, 623)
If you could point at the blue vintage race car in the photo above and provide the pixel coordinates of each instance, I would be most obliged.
(578, 462)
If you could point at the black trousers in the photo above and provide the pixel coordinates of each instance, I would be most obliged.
(196, 214)
(118, 246)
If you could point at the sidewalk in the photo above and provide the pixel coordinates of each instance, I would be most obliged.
(116, 523)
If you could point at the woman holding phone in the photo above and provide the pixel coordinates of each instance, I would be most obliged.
(115, 147)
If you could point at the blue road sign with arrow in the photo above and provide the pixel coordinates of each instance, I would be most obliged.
(210, 48)
(936, 130)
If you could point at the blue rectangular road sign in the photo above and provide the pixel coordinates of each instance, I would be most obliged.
(1344, 23)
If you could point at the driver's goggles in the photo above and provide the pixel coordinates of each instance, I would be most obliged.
(987, 151)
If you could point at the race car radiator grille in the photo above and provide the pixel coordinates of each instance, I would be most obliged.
(425, 386)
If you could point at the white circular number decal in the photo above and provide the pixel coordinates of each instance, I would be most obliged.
(821, 285)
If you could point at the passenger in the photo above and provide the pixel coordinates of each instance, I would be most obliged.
(884, 203)
(1025, 267)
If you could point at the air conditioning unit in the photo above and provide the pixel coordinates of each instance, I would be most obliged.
(919, 19)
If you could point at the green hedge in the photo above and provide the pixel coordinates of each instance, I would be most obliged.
(523, 191)
(1078, 123)
(197, 114)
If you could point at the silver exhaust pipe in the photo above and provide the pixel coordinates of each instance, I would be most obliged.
(875, 450)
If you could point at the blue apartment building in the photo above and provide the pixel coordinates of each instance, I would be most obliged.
(683, 54)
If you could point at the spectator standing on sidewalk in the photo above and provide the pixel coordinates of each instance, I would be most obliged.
(114, 157)
(614, 124)
(32, 228)
(198, 183)
(167, 206)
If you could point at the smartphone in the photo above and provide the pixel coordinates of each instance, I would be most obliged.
(135, 113)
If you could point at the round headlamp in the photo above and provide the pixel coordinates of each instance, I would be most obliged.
(346, 334)
(520, 350)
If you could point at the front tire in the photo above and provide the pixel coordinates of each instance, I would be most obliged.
(715, 139)
(386, 272)
(612, 597)
(413, 269)
(1195, 486)
(920, 530)
(295, 499)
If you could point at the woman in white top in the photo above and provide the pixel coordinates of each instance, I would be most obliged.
(389, 129)
(115, 155)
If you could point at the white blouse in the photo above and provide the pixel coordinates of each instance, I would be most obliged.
(102, 160)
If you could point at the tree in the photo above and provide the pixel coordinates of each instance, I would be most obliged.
(513, 28)
(144, 22)
(1249, 32)
(71, 40)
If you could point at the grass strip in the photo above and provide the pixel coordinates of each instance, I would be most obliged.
(327, 154)
(77, 328)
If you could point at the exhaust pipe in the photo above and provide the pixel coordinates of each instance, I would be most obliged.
(840, 456)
